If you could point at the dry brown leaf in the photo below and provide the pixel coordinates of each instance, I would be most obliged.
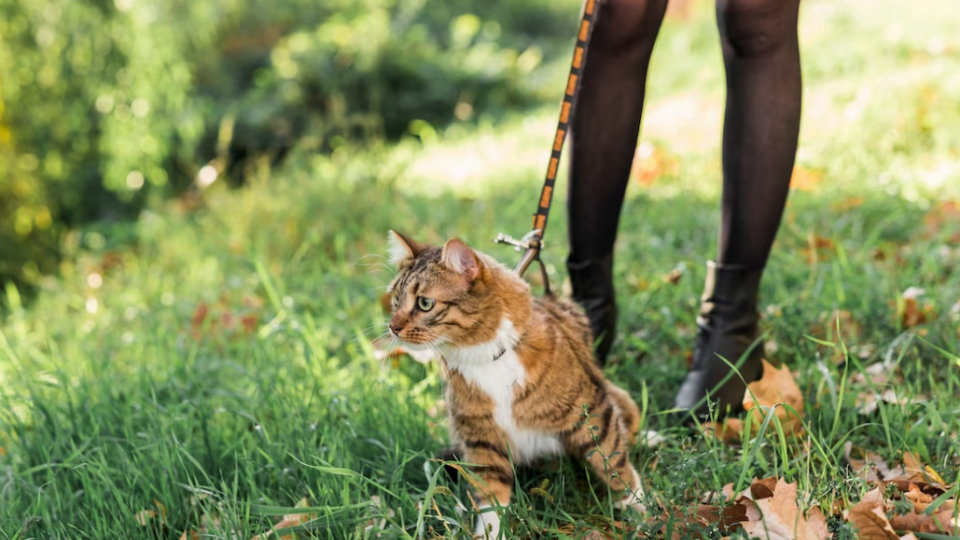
(915, 471)
(944, 215)
(650, 163)
(818, 523)
(289, 520)
(910, 311)
(725, 517)
(868, 402)
(145, 516)
(776, 387)
(818, 248)
(869, 518)
(727, 431)
(673, 276)
(919, 499)
(804, 179)
(879, 373)
(849, 204)
(940, 522)
(871, 468)
(781, 519)
(727, 492)
(763, 489)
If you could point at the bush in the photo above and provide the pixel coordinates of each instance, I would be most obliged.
(104, 101)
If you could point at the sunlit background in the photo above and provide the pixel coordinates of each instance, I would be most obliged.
(194, 196)
(106, 105)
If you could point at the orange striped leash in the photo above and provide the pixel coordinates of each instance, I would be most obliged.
(532, 242)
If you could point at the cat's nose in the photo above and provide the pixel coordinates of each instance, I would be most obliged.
(395, 328)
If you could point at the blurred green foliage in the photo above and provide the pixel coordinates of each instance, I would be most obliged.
(103, 102)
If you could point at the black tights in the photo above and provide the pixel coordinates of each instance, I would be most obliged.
(761, 125)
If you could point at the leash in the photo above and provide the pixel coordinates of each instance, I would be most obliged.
(532, 242)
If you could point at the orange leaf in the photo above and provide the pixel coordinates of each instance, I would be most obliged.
(915, 471)
(727, 431)
(650, 163)
(818, 523)
(804, 179)
(818, 248)
(941, 522)
(781, 518)
(869, 518)
(776, 387)
(145, 516)
(945, 215)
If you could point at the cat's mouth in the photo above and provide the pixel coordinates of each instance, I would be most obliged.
(417, 346)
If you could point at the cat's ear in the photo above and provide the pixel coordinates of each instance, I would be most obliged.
(458, 257)
(402, 248)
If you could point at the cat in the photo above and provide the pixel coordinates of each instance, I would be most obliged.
(520, 371)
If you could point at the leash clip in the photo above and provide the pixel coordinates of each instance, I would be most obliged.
(530, 244)
(529, 240)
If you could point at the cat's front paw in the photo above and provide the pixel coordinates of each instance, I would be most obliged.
(488, 524)
(632, 503)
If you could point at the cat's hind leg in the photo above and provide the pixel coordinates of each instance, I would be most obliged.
(604, 442)
(628, 410)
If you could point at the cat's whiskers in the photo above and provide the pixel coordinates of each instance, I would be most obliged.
(380, 265)
(369, 328)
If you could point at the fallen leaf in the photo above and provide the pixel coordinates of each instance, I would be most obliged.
(728, 430)
(818, 248)
(727, 492)
(879, 373)
(868, 402)
(849, 204)
(941, 522)
(870, 520)
(776, 387)
(673, 276)
(804, 179)
(650, 163)
(145, 516)
(763, 489)
(289, 520)
(915, 471)
(944, 215)
(781, 518)
(919, 499)
(871, 468)
(818, 523)
(911, 312)
(726, 517)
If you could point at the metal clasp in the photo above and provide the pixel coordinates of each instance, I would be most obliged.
(530, 244)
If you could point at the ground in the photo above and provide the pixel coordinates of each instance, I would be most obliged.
(216, 357)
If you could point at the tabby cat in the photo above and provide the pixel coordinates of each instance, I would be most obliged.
(520, 371)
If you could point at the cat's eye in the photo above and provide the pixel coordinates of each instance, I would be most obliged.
(425, 304)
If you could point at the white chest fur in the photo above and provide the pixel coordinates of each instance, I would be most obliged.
(500, 379)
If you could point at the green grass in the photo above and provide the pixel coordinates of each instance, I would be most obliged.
(116, 395)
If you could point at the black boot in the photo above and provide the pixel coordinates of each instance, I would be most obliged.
(592, 283)
(727, 327)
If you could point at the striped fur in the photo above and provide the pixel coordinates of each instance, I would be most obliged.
(520, 370)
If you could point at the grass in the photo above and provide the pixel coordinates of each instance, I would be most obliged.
(115, 392)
